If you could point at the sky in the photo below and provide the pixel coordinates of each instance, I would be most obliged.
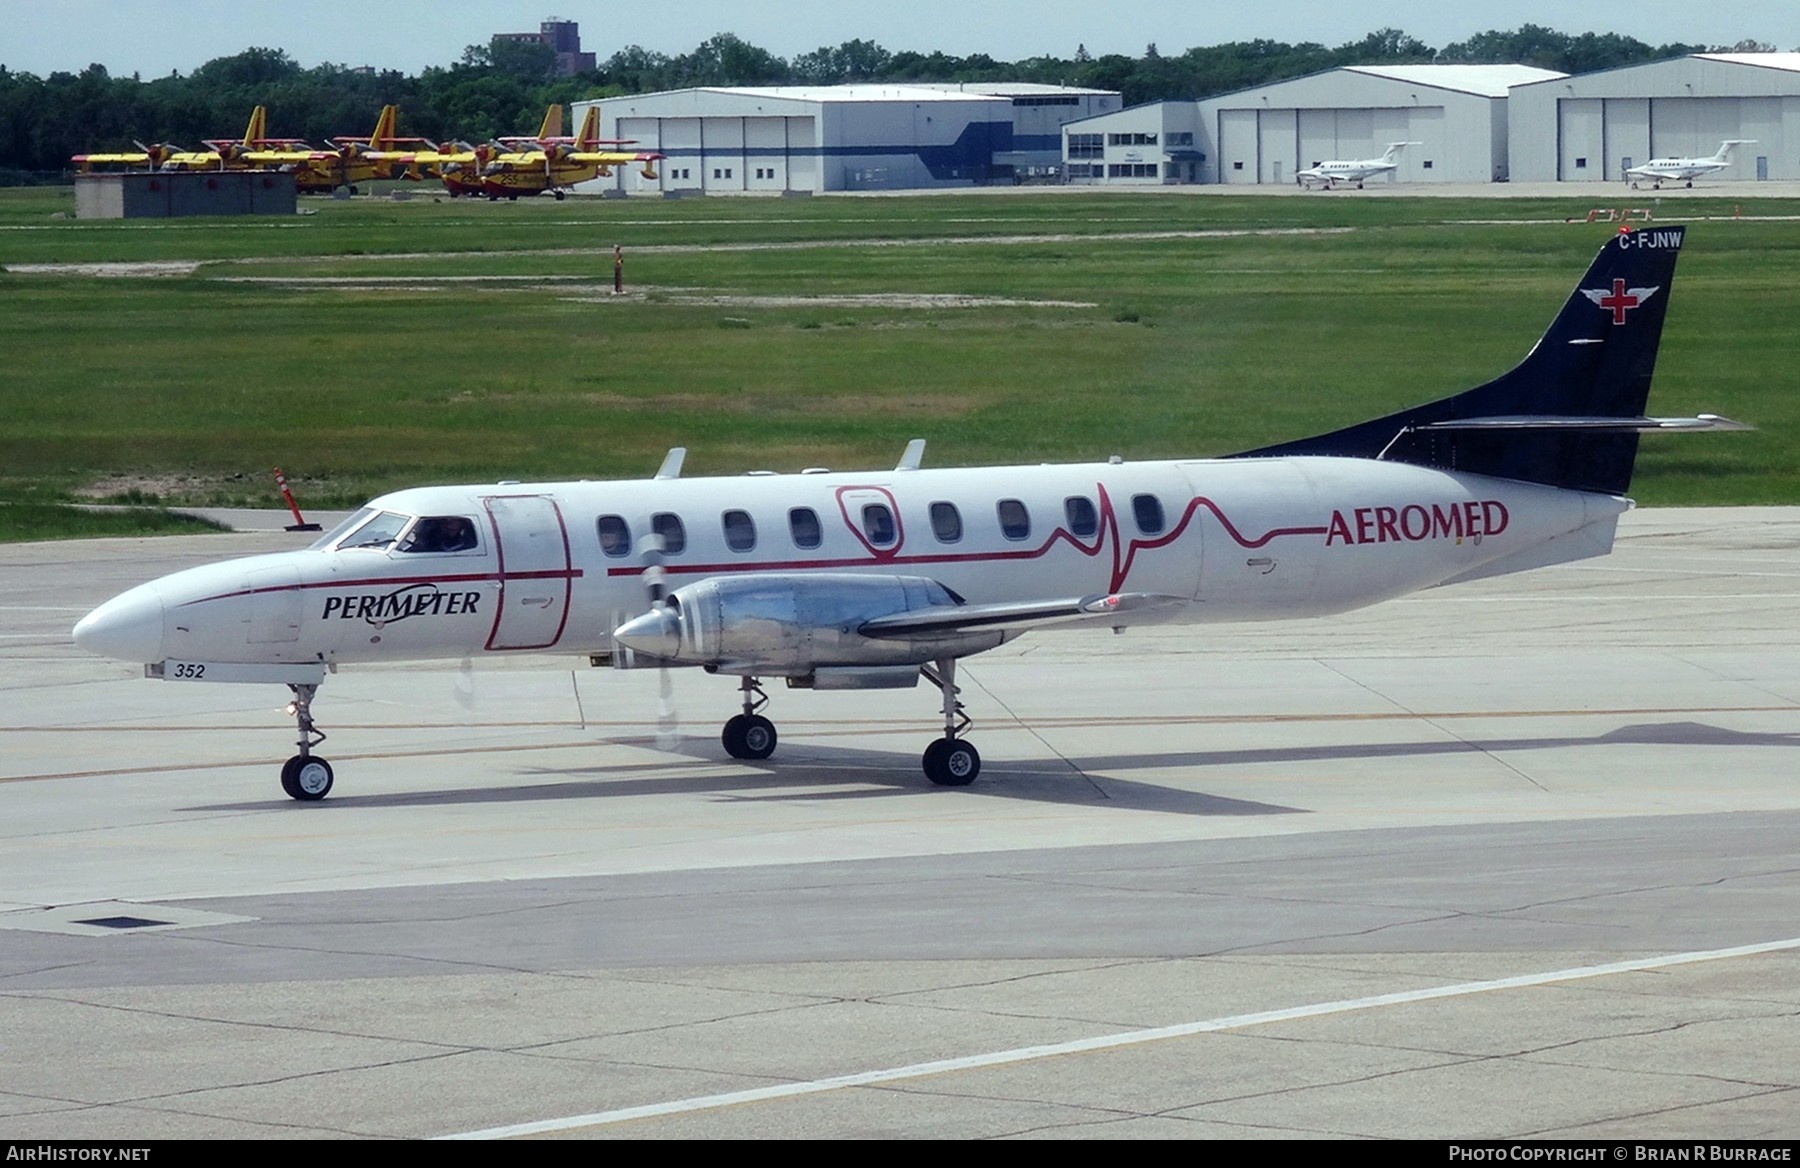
(154, 37)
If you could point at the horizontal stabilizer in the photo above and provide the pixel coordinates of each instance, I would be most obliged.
(1607, 425)
(1118, 608)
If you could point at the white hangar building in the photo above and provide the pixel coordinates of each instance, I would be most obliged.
(1590, 128)
(843, 137)
(1457, 114)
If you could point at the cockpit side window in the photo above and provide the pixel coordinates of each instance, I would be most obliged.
(378, 532)
(440, 533)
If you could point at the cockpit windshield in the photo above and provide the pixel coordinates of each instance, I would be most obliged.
(379, 530)
(341, 530)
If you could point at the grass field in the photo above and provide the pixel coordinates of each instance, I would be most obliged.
(375, 344)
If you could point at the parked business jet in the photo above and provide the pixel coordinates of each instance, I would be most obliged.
(869, 580)
(1684, 169)
(1328, 174)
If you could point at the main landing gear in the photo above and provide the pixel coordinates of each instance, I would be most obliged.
(306, 776)
(950, 761)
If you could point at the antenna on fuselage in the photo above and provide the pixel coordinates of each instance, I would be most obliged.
(915, 452)
(671, 464)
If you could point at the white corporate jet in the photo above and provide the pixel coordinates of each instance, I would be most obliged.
(1683, 169)
(874, 579)
(1329, 174)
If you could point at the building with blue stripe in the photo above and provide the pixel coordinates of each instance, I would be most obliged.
(813, 139)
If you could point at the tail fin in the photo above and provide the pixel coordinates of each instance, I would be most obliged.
(1725, 148)
(257, 130)
(1394, 149)
(588, 138)
(552, 127)
(1568, 415)
(385, 125)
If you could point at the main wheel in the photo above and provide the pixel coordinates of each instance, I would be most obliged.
(749, 736)
(306, 777)
(558, 194)
(952, 762)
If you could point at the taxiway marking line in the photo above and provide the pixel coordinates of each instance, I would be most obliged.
(1112, 1041)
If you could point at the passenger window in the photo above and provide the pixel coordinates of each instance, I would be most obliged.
(803, 525)
(615, 535)
(878, 524)
(440, 533)
(669, 529)
(1149, 513)
(740, 531)
(1079, 511)
(1015, 521)
(946, 522)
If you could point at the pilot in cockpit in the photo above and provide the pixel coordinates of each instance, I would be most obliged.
(446, 533)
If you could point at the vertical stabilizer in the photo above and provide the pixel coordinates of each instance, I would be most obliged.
(385, 125)
(589, 136)
(552, 127)
(1593, 364)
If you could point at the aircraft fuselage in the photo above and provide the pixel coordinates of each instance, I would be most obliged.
(557, 567)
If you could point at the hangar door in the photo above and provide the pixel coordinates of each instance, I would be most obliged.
(1237, 146)
(1581, 139)
(1275, 135)
(1330, 134)
(803, 154)
(1627, 135)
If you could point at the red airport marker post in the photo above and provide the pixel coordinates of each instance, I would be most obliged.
(299, 523)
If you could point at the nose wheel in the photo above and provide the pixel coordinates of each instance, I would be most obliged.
(749, 735)
(306, 776)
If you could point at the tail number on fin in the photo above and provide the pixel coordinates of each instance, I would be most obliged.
(1668, 240)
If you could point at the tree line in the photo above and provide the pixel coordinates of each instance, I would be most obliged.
(503, 87)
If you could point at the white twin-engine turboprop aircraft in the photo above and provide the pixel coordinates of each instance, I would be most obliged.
(1328, 174)
(1658, 170)
(874, 579)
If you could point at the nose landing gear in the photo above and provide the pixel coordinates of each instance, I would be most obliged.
(306, 776)
(749, 735)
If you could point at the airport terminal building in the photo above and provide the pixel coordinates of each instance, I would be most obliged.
(1593, 127)
(812, 139)
(1458, 115)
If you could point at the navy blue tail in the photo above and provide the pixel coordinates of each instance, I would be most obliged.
(1548, 414)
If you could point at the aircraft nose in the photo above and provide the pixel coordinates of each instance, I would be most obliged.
(655, 634)
(129, 627)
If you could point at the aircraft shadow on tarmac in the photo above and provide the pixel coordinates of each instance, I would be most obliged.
(814, 773)
(1651, 733)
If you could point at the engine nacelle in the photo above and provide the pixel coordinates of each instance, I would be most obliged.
(782, 625)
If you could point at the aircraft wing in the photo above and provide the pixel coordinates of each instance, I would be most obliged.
(1116, 609)
(285, 157)
(612, 157)
(130, 158)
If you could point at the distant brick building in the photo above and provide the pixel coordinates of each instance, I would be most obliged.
(564, 39)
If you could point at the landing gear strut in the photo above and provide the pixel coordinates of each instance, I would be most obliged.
(950, 761)
(306, 776)
(749, 734)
